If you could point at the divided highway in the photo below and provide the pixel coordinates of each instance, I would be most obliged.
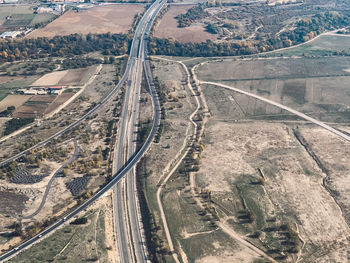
(133, 74)
(127, 223)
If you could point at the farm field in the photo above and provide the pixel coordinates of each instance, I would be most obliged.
(41, 105)
(13, 100)
(168, 27)
(74, 77)
(325, 45)
(21, 15)
(101, 19)
(312, 85)
(12, 84)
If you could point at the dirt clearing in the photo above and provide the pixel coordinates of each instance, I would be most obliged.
(101, 19)
(167, 28)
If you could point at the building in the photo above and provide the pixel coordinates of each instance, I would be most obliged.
(41, 10)
(10, 34)
(57, 90)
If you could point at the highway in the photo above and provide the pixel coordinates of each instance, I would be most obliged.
(126, 216)
(137, 50)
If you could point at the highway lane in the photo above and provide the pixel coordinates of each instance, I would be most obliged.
(132, 161)
(129, 233)
(116, 178)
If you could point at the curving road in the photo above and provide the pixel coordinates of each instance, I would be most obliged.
(137, 48)
(47, 190)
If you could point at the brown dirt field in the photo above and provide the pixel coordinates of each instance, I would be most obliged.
(58, 101)
(50, 79)
(28, 111)
(43, 98)
(13, 100)
(167, 28)
(77, 76)
(12, 202)
(102, 19)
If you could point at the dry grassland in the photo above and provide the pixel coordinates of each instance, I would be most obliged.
(335, 161)
(176, 123)
(101, 19)
(13, 100)
(167, 28)
(293, 184)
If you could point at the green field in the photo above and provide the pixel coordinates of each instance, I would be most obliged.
(19, 20)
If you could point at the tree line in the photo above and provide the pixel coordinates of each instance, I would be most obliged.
(304, 30)
(64, 46)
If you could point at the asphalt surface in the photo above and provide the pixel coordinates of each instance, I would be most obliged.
(141, 31)
(126, 215)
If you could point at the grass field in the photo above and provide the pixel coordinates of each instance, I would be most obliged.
(12, 84)
(102, 19)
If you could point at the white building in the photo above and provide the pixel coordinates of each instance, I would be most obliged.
(10, 34)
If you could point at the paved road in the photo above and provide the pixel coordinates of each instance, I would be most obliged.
(135, 157)
(127, 221)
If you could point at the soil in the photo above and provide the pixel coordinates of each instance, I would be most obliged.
(13, 100)
(101, 19)
(62, 98)
(167, 28)
(50, 79)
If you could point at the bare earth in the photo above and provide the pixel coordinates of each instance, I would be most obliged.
(167, 28)
(101, 19)
(13, 100)
(238, 149)
(50, 78)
